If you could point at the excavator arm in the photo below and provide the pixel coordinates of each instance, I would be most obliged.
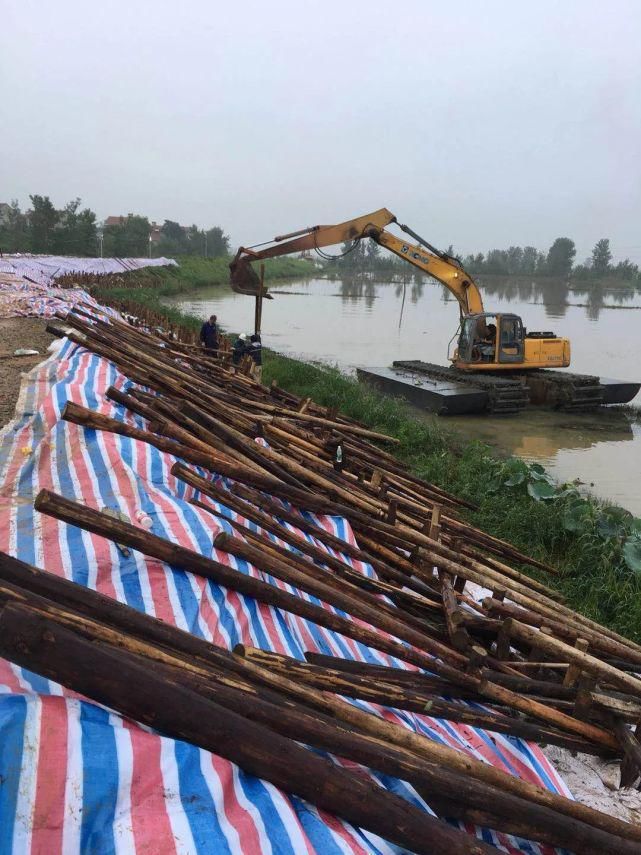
(427, 258)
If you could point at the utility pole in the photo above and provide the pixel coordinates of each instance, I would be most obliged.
(205, 243)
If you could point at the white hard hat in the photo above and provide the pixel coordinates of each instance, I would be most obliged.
(242, 336)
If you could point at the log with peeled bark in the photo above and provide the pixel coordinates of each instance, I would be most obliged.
(427, 749)
(567, 632)
(387, 694)
(364, 587)
(78, 514)
(118, 681)
(585, 662)
(302, 544)
(350, 601)
(129, 535)
(84, 664)
(94, 605)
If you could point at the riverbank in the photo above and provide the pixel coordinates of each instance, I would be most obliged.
(193, 273)
(594, 547)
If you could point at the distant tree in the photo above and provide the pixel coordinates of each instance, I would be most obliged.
(86, 232)
(195, 239)
(581, 272)
(130, 238)
(14, 229)
(541, 267)
(601, 257)
(173, 239)
(75, 232)
(372, 255)
(43, 219)
(474, 263)
(514, 260)
(561, 257)
(64, 233)
(217, 242)
(626, 270)
(173, 231)
(528, 260)
(496, 262)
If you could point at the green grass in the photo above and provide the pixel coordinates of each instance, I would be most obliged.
(594, 577)
(193, 273)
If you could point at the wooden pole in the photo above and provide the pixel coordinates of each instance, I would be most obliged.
(124, 684)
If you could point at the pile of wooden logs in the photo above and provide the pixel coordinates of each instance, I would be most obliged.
(540, 670)
(258, 711)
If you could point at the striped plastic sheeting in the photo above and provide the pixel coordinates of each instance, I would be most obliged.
(27, 282)
(21, 298)
(45, 268)
(75, 777)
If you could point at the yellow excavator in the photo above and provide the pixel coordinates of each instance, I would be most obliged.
(495, 352)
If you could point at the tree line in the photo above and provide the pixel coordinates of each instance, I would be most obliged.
(74, 230)
(558, 261)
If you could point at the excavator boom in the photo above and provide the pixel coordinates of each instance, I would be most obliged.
(437, 264)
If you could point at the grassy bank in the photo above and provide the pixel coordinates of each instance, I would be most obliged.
(596, 548)
(582, 537)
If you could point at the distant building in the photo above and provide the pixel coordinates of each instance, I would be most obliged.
(4, 213)
(155, 232)
(115, 221)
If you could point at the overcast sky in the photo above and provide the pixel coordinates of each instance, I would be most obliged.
(481, 124)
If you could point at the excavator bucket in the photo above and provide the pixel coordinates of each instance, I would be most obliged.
(244, 279)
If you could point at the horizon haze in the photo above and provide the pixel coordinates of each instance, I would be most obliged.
(480, 126)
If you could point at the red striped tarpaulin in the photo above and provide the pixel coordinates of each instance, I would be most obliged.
(77, 778)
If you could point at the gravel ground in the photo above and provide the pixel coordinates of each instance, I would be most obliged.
(15, 333)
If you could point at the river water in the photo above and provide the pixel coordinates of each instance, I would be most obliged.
(370, 324)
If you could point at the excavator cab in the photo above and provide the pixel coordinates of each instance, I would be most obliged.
(490, 340)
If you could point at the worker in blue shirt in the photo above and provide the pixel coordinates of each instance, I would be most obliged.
(209, 333)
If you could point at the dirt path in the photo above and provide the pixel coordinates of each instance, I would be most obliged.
(14, 333)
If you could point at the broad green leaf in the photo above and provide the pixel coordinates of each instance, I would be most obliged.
(539, 476)
(612, 521)
(577, 517)
(541, 490)
(536, 467)
(566, 492)
(632, 553)
(494, 485)
(515, 479)
(607, 527)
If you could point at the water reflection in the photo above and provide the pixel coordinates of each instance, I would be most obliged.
(555, 295)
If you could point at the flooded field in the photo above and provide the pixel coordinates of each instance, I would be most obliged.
(370, 324)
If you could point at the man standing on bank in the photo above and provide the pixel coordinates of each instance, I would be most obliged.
(255, 350)
(209, 334)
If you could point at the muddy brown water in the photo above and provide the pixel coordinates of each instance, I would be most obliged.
(364, 323)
